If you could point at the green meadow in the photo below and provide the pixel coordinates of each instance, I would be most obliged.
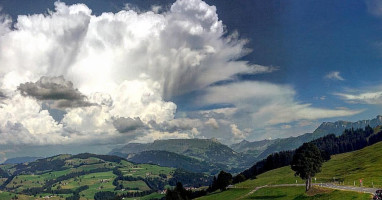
(344, 169)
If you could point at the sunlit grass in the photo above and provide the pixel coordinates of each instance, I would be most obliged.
(349, 167)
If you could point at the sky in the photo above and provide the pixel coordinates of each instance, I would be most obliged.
(88, 76)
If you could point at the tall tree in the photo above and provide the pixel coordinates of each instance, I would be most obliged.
(223, 180)
(307, 161)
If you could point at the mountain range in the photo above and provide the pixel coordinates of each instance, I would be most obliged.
(199, 154)
(261, 149)
(211, 153)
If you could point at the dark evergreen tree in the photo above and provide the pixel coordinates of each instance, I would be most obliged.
(224, 179)
(238, 178)
(178, 193)
(307, 161)
(105, 195)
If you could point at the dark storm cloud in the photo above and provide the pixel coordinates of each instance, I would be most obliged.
(124, 125)
(2, 95)
(55, 89)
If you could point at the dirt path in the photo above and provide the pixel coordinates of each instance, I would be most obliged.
(266, 186)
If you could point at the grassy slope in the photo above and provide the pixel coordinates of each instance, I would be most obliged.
(349, 167)
(142, 170)
(148, 197)
(9, 196)
(365, 163)
(282, 175)
(234, 193)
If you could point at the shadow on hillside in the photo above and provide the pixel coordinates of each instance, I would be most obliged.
(268, 197)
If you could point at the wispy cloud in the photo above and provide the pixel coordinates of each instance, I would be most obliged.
(363, 98)
(374, 7)
(267, 103)
(286, 126)
(334, 75)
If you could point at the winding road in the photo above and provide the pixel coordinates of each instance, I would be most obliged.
(326, 185)
(348, 188)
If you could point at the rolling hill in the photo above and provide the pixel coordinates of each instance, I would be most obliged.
(84, 175)
(170, 159)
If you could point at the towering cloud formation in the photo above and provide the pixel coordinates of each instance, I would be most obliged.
(181, 49)
(125, 66)
(115, 76)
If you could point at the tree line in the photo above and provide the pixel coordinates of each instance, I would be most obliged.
(350, 140)
(220, 182)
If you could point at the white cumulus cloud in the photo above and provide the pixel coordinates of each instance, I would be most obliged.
(212, 122)
(237, 133)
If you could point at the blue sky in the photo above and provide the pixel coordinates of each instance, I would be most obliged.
(309, 39)
(309, 62)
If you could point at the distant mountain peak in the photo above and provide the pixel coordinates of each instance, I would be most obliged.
(244, 142)
(339, 126)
